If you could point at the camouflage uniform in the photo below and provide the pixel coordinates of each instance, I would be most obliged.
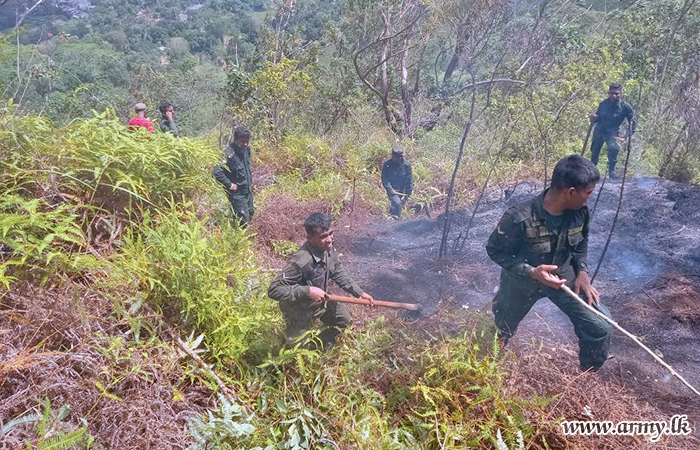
(167, 125)
(607, 127)
(238, 165)
(527, 236)
(291, 288)
(397, 176)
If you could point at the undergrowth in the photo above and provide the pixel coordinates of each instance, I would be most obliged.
(113, 244)
(199, 276)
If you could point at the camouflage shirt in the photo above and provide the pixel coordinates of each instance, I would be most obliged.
(167, 125)
(238, 164)
(527, 236)
(307, 268)
(611, 115)
(398, 176)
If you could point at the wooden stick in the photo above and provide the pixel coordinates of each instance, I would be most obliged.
(585, 141)
(571, 293)
(228, 392)
(362, 301)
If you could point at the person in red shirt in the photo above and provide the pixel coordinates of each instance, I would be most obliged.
(140, 120)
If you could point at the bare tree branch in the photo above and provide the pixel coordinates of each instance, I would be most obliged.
(27, 12)
(487, 82)
(676, 25)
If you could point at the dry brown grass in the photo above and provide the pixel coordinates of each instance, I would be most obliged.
(282, 219)
(62, 347)
(584, 396)
(552, 371)
(672, 295)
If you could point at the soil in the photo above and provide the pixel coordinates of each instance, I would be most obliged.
(649, 278)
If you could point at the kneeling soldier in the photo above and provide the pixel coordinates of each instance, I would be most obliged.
(301, 287)
(541, 245)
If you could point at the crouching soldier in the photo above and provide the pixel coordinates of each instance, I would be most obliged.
(301, 287)
(541, 245)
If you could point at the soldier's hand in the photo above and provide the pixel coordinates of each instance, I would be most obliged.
(234, 187)
(542, 273)
(317, 294)
(583, 283)
(369, 298)
(619, 139)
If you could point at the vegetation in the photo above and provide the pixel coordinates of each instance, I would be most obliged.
(117, 245)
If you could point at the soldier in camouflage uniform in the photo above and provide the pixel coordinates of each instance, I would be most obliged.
(542, 244)
(235, 176)
(167, 120)
(397, 179)
(301, 287)
(608, 118)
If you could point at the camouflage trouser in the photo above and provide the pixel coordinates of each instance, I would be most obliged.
(242, 206)
(613, 149)
(396, 201)
(300, 317)
(517, 295)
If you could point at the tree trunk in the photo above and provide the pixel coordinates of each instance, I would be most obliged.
(406, 92)
(457, 54)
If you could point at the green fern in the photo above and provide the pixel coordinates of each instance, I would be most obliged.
(51, 432)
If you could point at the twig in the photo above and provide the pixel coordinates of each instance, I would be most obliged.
(446, 228)
(24, 16)
(486, 182)
(600, 191)
(585, 141)
(228, 392)
(619, 205)
(651, 298)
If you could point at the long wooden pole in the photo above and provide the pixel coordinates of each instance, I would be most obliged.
(361, 301)
(573, 295)
(585, 141)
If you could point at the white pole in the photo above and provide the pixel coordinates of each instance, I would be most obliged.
(571, 293)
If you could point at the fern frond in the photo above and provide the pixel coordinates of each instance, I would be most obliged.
(63, 441)
(34, 417)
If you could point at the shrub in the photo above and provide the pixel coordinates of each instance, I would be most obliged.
(199, 276)
(38, 237)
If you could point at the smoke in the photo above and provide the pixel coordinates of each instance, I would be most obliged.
(629, 264)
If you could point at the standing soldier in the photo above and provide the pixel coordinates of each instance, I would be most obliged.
(397, 179)
(541, 245)
(167, 120)
(301, 287)
(236, 177)
(608, 118)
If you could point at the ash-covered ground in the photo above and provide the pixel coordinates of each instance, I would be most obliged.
(649, 278)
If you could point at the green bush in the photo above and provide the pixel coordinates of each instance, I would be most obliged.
(99, 162)
(201, 277)
(393, 387)
(37, 236)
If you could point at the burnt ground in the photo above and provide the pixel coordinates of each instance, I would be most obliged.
(650, 280)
